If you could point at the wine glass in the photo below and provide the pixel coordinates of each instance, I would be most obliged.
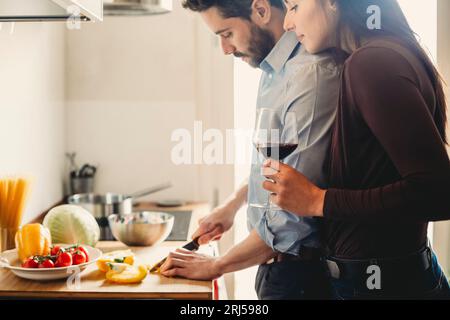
(275, 138)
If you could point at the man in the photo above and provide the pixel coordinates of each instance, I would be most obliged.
(286, 247)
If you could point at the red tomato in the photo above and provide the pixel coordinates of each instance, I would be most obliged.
(82, 249)
(55, 250)
(47, 264)
(64, 260)
(78, 257)
(30, 263)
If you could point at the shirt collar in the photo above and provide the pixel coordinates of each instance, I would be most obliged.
(281, 53)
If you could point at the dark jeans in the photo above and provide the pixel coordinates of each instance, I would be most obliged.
(293, 280)
(427, 285)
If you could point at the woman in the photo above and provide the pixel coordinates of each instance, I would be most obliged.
(389, 169)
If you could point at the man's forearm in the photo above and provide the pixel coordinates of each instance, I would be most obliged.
(238, 198)
(250, 252)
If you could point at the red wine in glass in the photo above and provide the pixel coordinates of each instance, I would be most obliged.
(275, 137)
(277, 151)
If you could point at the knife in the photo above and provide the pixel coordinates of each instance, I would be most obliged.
(191, 246)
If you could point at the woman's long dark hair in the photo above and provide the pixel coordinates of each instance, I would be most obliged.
(354, 16)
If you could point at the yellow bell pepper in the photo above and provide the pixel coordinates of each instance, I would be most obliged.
(32, 240)
(123, 273)
(121, 256)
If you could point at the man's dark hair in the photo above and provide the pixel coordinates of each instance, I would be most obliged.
(228, 8)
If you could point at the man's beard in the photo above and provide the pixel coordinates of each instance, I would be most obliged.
(260, 45)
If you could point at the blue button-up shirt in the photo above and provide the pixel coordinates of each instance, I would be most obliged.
(294, 80)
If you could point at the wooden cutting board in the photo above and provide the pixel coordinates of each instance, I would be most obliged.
(92, 284)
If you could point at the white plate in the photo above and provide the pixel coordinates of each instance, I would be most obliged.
(45, 274)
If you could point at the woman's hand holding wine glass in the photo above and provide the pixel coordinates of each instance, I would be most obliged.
(292, 191)
(275, 138)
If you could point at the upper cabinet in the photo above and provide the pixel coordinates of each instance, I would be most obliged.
(84, 10)
(50, 10)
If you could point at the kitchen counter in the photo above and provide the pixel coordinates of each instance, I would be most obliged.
(92, 284)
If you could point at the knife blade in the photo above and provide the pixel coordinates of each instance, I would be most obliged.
(191, 246)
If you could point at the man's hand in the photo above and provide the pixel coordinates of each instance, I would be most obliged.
(191, 265)
(221, 219)
(213, 226)
(186, 264)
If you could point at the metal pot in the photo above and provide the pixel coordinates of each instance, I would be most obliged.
(101, 206)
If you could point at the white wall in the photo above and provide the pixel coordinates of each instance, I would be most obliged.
(32, 109)
(130, 82)
(442, 229)
(423, 21)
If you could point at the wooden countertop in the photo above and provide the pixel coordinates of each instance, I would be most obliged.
(92, 283)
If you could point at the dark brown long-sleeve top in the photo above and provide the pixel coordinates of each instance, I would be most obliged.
(389, 169)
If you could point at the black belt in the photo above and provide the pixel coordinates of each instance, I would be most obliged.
(393, 269)
(305, 254)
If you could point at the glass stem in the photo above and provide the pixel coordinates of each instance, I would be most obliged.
(270, 206)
